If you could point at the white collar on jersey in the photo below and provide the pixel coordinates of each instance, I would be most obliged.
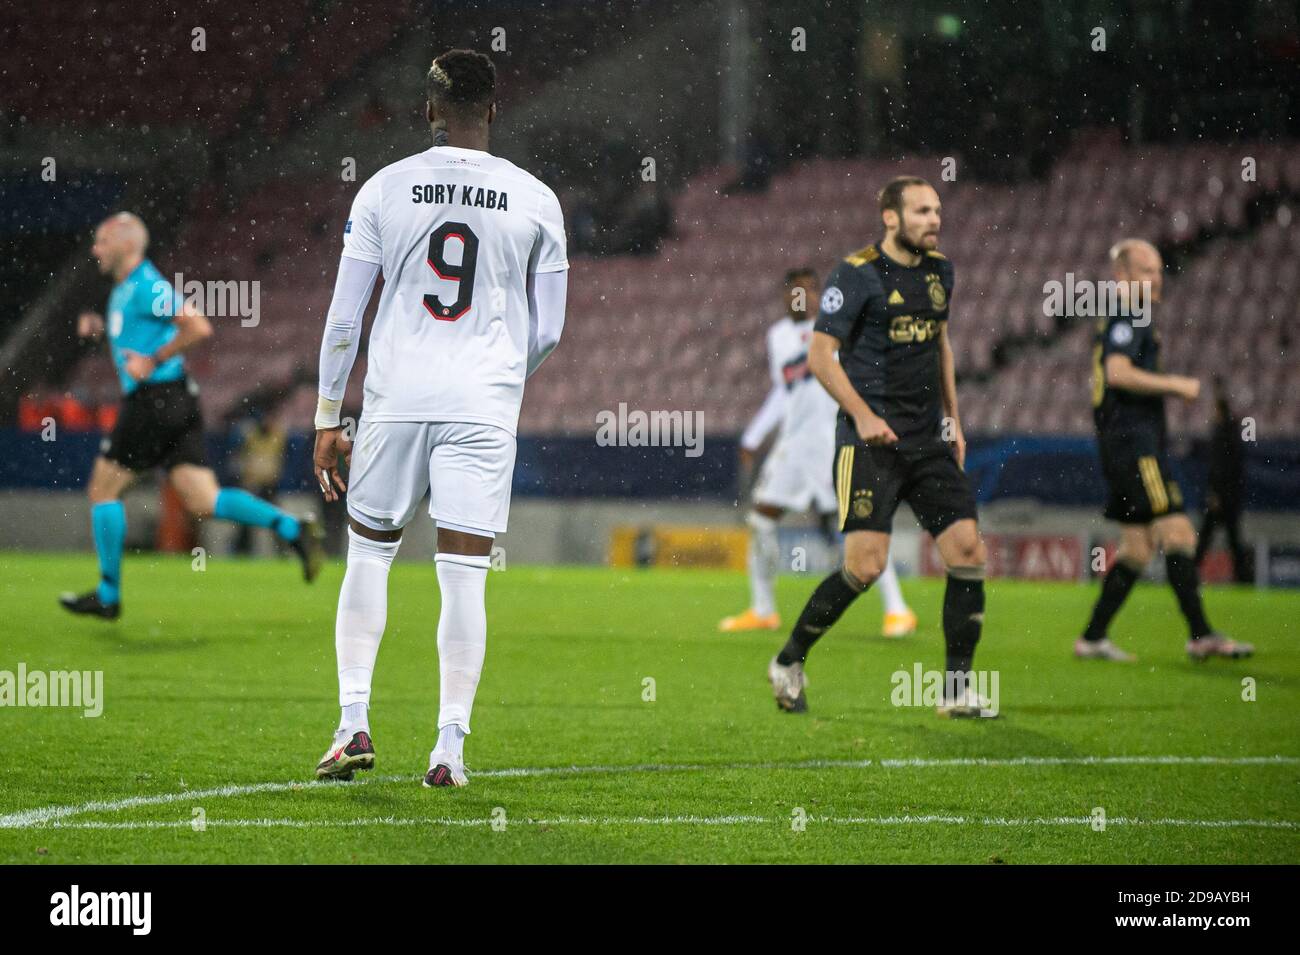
(459, 150)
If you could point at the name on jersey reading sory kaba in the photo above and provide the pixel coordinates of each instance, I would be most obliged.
(475, 196)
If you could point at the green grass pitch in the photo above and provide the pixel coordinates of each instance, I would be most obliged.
(219, 697)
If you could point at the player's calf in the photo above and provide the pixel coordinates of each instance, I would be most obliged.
(963, 616)
(764, 557)
(962, 550)
(1115, 588)
(826, 605)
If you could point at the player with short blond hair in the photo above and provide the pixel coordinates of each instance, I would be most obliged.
(1129, 392)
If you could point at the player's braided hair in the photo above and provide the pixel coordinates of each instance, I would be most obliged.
(462, 82)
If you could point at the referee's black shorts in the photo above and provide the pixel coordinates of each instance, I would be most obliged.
(158, 424)
(871, 481)
(1141, 486)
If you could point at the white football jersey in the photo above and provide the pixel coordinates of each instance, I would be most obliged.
(458, 232)
(809, 411)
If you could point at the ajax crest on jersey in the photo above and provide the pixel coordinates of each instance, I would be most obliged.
(938, 297)
(862, 504)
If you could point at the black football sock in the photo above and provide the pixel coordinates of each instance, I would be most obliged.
(1185, 580)
(831, 598)
(1114, 591)
(963, 618)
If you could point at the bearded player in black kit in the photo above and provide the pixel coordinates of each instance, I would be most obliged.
(880, 347)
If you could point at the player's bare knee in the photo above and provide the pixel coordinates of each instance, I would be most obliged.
(1185, 545)
(1178, 537)
(1134, 554)
(964, 548)
(864, 567)
(370, 533)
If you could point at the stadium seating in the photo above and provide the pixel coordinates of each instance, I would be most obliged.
(702, 305)
(685, 329)
(306, 48)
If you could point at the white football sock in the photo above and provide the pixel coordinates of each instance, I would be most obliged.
(890, 592)
(363, 611)
(462, 635)
(355, 717)
(763, 559)
(450, 745)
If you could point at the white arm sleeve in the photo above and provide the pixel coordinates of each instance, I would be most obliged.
(547, 293)
(338, 348)
(768, 417)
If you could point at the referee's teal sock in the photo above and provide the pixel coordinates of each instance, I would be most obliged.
(108, 525)
(244, 508)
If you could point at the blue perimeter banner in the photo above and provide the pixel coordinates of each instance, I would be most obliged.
(1061, 471)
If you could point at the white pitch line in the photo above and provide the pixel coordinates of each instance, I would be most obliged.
(741, 820)
(903, 764)
(27, 818)
(1095, 761)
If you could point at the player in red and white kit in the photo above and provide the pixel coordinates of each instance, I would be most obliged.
(473, 255)
(797, 472)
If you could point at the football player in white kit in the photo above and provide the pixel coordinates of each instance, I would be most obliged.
(473, 255)
(797, 472)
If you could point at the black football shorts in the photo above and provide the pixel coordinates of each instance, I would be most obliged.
(871, 481)
(1141, 486)
(157, 425)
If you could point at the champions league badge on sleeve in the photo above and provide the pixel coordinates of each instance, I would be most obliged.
(832, 300)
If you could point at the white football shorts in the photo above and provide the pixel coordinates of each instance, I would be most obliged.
(466, 468)
(796, 475)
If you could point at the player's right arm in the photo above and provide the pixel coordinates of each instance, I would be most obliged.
(1121, 373)
(1120, 348)
(547, 294)
(762, 425)
(769, 413)
(547, 282)
(358, 269)
(843, 300)
(192, 327)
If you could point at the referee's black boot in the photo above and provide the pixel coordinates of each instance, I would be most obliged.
(90, 605)
(309, 546)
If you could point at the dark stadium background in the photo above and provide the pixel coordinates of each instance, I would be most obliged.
(764, 157)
